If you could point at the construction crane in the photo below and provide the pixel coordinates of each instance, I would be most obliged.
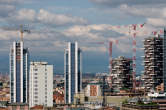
(110, 46)
(133, 28)
(22, 31)
(16, 28)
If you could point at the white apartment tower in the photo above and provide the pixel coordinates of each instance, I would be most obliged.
(72, 70)
(19, 74)
(41, 84)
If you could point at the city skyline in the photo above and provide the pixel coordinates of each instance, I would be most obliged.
(89, 21)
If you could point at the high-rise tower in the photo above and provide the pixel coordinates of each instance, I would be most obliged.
(19, 74)
(72, 70)
(153, 62)
(121, 74)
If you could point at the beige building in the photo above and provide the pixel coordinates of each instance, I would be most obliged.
(92, 97)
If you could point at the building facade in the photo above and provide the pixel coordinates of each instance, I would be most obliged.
(72, 70)
(164, 72)
(121, 74)
(93, 90)
(153, 62)
(19, 74)
(41, 84)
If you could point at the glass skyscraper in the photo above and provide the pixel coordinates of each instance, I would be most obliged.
(72, 70)
(19, 74)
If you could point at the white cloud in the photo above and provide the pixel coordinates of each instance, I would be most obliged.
(23, 15)
(156, 21)
(114, 3)
(94, 49)
(142, 11)
(43, 17)
(152, 12)
(58, 19)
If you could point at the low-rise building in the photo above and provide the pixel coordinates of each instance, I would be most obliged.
(18, 106)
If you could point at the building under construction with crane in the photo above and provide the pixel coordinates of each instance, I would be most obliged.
(154, 62)
(121, 74)
(19, 71)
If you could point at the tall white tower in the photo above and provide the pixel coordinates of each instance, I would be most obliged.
(19, 75)
(72, 70)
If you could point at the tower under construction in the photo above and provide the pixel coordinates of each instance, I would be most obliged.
(153, 62)
(121, 74)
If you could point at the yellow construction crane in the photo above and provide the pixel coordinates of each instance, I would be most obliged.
(22, 31)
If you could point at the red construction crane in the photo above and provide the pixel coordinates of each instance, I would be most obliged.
(134, 29)
(110, 44)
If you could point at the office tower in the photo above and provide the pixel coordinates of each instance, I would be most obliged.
(72, 70)
(19, 74)
(153, 62)
(121, 74)
(41, 84)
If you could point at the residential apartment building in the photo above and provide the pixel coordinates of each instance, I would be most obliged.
(153, 62)
(121, 74)
(41, 84)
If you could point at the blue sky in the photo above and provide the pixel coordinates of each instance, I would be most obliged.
(55, 22)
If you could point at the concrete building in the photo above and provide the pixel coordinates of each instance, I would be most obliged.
(153, 62)
(121, 74)
(72, 70)
(95, 102)
(41, 84)
(19, 74)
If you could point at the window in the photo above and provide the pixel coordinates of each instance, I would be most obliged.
(35, 69)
